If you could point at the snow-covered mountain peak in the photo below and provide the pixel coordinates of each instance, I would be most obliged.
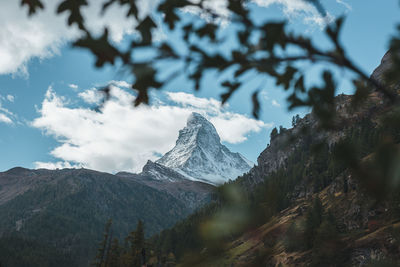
(199, 154)
(198, 132)
(197, 120)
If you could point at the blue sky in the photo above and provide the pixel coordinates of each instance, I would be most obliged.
(46, 91)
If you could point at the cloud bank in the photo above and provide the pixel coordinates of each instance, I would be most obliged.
(119, 137)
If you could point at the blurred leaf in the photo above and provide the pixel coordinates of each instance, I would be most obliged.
(196, 77)
(169, 8)
(145, 79)
(333, 31)
(299, 85)
(322, 100)
(286, 78)
(166, 51)
(256, 105)
(101, 48)
(145, 27)
(187, 29)
(74, 8)
(274, 34)
(209, 30)
(243, 37)
(238, 7)
(133, 10)
(33, 6)
(232, 87)
(295, 101)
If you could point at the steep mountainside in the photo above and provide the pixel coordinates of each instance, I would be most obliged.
(199, 154)
(300, 206)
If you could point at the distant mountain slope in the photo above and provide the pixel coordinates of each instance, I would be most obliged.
(68, 208)
(199, 154)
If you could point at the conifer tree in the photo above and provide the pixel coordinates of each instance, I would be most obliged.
(313, 221)
(138, 243)
(108, 251)
(139, 236)
(101, 252)
(115, 254)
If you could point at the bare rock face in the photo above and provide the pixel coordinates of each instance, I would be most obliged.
(386, 64)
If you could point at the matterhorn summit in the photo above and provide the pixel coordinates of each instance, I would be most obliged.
(199, 155)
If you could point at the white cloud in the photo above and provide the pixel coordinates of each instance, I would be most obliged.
(291, 8)
(275, 103)
(91, 96)
(189, 100)
(10, 98)
(73, 86)
(120, 137)
(55, 165)
(122, 84)
(4, 118)
(218, 7)
(344, 3)
(6, 115)
(42, 35)
(299, 9)
(234, 128)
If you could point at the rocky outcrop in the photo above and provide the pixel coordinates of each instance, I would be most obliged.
(385, 64)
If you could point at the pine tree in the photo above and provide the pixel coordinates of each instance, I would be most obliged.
(327, 250)
(101, 252)
(107, 255)
(115, 254)
(138, 243)
(139, 236)
(297, 118)
(313, 221)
